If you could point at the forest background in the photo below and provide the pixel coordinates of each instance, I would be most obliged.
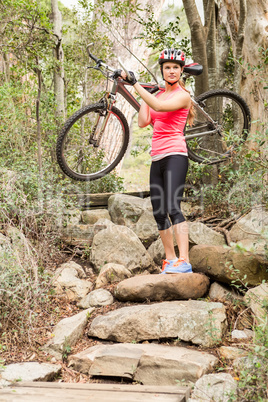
(44, 79)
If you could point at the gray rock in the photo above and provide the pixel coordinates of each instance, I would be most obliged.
(120, 245)
(231, 352)
(97, 298)
(78, 234)
(73, 267)
(239, 334)
(257, 300)
(4, 383)
(146, 228)
(157, 251)
(67, 281)
(224, 264)
(91, 216)
(257, 247)
(67, 332)
(162, 287)
(149, 364)
(30, 371)
(125, 209)
(251, 226)
(201, 234)
(82, 361)
(186, 209)
(111, 273)
(199, 322)
(214, 387)
(102, 224)
(221, 292)
(116, 360)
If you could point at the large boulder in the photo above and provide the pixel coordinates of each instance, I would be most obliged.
(146, 228)
(251, 226)
(226, 265)
(135, 213)
(148, 364)
(125, 209)
(162, 287)
(120, 245)
(202, 234)
(199, 322)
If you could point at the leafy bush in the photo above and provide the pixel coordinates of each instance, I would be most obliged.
(238, 184)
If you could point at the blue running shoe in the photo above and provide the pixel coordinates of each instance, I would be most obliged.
(168, 264)
(179, 267)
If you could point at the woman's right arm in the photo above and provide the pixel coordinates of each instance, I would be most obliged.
(144, 118)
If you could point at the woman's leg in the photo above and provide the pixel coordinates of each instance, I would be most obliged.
(160, 208)
(182, 238)
(175, 176)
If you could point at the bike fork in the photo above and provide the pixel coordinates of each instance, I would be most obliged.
(100, 124)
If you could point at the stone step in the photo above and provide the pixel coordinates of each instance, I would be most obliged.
(148, 364)
(198, 322)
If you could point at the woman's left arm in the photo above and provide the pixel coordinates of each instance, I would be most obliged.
(180, 100)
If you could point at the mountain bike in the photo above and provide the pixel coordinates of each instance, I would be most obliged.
(94, 139)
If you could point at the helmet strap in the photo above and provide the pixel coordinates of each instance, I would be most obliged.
(171, 83)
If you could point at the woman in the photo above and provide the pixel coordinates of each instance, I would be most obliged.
(168, 112)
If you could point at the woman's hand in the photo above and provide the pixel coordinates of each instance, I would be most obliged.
(132, 80)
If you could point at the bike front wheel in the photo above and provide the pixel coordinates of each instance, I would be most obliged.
(92, 142)
(216, 134)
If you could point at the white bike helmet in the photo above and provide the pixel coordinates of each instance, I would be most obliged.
(172, 55)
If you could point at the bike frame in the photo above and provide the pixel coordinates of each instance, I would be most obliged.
(119, 86)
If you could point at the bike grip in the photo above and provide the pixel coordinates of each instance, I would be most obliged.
(90, 54)
(124, 68)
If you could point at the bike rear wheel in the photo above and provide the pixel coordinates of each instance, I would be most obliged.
(92, 142)
(229, 129)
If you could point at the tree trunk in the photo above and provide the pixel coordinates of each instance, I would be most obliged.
(59, 57)
(198, 40)
(247, 25)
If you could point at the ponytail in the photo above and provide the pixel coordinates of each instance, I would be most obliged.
(191, 114)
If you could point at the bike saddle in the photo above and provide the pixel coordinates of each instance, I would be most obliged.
(193, 69)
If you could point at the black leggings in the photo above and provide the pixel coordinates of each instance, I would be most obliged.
(167, 180)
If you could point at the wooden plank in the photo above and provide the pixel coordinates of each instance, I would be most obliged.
(64, 392)
(101, 386)
(62, 395)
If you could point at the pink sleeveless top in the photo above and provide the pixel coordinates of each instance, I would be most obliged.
(168, 134)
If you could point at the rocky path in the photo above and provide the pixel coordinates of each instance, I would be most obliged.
(166, 333)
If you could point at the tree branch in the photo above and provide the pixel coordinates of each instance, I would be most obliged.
(208, 13)
(192, 13)
(127, 48)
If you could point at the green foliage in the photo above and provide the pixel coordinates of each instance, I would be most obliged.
(24, 290)
(240, 183)
(158, 35)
